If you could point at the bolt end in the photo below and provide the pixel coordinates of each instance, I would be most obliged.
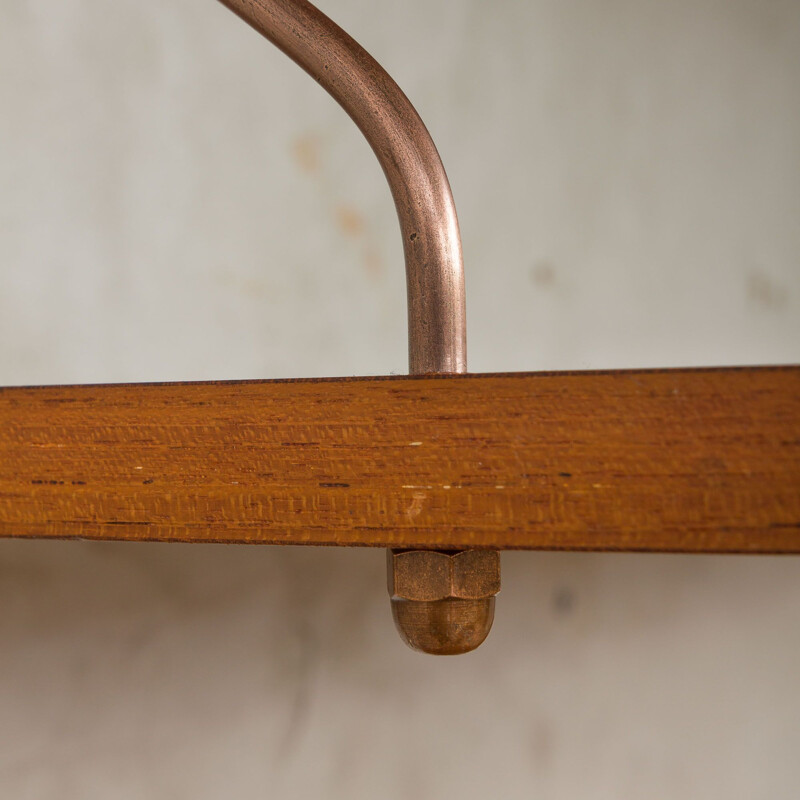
(446, 627)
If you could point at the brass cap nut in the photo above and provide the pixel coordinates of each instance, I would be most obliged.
(447, 627)
(428, 575)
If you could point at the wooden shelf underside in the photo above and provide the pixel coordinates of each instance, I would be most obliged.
(696, 460)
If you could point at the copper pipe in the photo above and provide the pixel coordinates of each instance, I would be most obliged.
(441, 603)
(437, 339)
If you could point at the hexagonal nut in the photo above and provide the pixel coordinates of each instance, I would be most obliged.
(438, 575)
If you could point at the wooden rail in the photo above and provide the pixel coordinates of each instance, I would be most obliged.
(697, 460)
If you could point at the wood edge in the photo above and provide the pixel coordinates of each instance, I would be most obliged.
(434, 376)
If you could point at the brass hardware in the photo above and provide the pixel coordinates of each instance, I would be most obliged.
(443, 601)
(431, 243)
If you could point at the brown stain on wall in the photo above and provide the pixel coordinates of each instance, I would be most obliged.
(373, 263)
(305, 150)
(353, 225)
(349, 221)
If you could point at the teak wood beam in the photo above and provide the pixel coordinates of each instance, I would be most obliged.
(692, 460)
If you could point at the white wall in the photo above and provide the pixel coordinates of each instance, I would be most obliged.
(179, 201)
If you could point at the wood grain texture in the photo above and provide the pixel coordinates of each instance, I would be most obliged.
(701, 460)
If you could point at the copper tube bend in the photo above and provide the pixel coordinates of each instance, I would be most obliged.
(431, 239)
(439, 602)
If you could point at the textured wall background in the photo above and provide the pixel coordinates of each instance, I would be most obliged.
(178, 201)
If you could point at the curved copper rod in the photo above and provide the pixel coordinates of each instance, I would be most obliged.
(421, 191)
